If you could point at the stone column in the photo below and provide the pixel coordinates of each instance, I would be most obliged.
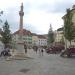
(21, 13)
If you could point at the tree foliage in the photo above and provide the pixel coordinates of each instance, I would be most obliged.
(69, 29)
(6, 35)
(50, 36)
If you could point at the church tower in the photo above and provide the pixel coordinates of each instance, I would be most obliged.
(21, 13)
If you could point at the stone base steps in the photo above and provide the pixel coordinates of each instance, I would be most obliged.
(18, 56)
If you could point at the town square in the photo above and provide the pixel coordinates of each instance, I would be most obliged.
(37, 37)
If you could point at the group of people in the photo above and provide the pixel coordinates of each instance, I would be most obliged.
(5, 52)
(36, 49)
(40, 49)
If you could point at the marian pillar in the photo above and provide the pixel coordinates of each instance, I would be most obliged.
(19, 53)
(20, 45)
(21, 13)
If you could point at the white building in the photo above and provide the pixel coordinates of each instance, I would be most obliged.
(42, 41)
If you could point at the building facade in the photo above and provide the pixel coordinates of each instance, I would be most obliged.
(34, 39)
(72, 11)
(58, 36)
(42, 40)
(26, 37)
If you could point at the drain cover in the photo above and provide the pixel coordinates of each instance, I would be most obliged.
(24, 70)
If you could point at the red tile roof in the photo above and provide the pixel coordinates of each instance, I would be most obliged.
(24, 32)
(34, 34)
(41, 37)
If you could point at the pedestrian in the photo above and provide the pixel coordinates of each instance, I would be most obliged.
(39, 51)
(25, 47)
(42, 51)
(35, 48)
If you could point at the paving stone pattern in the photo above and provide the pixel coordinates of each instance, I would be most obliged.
(40, 65)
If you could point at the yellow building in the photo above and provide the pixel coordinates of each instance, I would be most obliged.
(34, 39)
(59, 37)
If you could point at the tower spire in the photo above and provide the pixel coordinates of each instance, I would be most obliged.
(21, 13)
(50, 28)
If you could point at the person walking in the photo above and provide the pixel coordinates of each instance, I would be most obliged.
(39, 49)
(35, 48)
(42, 51)
(25, 48)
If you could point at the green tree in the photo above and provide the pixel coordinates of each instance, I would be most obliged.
(69, 29)
(50, 36)
(6, 35)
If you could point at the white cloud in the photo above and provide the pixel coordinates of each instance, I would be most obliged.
(38, 13)
(42, 20)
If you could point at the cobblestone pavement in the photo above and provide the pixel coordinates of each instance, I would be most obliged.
(39, 65)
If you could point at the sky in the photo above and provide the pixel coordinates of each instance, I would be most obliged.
(38, 14)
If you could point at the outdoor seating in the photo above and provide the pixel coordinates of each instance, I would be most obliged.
(69, 52)
(54, 49)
